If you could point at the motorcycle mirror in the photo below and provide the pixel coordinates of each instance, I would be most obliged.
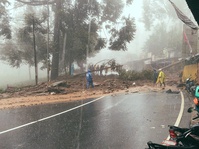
(191, 109)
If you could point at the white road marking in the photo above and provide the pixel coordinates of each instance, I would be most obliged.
(180, 113)
(43, 119)
(181, 110)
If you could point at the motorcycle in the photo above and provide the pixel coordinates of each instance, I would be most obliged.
(196, 99)
(190, 86)
(180, 138)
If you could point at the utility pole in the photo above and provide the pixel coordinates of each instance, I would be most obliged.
(35, 53)
(88, 45)
(64, 53)
(89, 30)
(47, 56)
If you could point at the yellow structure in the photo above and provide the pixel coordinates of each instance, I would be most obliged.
(190, 71)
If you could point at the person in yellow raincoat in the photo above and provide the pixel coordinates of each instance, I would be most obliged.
(161, 78)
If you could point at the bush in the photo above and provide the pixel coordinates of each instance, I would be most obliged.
(1, 91)
(132, 75)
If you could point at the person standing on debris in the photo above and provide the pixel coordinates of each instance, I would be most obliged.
(155, 76)
(161, 78)
(72, 69)
(97, 70)
(106, 71)
(101, 69)
(89, 79)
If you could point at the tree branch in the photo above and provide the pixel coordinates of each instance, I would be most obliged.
(36, 2)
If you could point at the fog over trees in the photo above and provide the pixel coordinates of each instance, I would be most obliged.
(74, 33)
(166, 30)
(63, 32)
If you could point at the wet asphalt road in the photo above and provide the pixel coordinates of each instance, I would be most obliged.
(113, 122)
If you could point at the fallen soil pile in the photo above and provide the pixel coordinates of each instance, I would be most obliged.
(66, 89)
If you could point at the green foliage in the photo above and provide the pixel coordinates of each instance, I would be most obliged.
(155, 11)
(11, 54)
(112, 10)
(157, 41)
(4, 20)
(147, 74)
(128, 2)
(132, 75)
(22, 52)
(25, 38)
(2, 91)
(161, 39)
(82, 21)
(78, 18)
(166, 33)
(101, 43)
(120, 38)
(147, 15)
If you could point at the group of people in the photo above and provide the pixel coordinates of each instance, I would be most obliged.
(159, 77)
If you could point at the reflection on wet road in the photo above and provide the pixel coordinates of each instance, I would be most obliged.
(113, 122)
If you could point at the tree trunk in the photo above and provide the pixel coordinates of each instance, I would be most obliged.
(55, 58)
(64, 53)
(81, 65)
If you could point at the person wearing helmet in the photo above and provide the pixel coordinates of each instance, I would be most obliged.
(161, 78)
(89, 79)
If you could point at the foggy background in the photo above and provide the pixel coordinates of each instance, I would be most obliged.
(135, 47)
(10, 76)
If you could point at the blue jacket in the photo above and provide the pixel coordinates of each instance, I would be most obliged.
(89, 76)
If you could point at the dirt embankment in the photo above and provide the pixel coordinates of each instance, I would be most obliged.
(66, 90)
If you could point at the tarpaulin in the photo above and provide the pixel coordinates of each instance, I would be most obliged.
(194, 7)
(184, 18)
